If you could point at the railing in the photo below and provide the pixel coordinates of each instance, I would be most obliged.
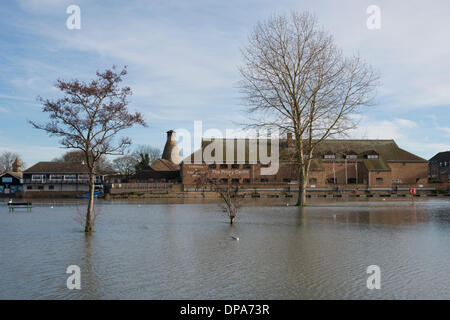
(140, 186)
(58, 181)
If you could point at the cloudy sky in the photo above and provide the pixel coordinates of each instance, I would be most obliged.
(183, 58)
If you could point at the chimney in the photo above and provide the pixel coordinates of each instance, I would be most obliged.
(171, 151)
(17, 166)
(289, 139)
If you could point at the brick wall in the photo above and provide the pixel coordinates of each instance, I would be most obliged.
(346, 174)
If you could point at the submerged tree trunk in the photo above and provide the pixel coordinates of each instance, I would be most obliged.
(89, 222)
(301, 192)
(232, 217)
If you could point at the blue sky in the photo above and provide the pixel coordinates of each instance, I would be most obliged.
(183, 59)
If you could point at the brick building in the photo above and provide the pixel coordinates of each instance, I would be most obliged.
(439, 167)
(336, 163)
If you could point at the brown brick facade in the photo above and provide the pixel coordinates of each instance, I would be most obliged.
(375, 164)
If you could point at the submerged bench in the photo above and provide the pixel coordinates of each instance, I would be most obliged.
(13, 205)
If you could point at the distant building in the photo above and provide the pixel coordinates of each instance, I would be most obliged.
(11, 181)
(57, 178)
(335, 164)
(439, 167)
(165, 169)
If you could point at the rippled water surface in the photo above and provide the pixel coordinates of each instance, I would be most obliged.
(186, 251)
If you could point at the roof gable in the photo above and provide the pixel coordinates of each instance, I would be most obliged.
(57, 167)
(441, 156)
(17, 175)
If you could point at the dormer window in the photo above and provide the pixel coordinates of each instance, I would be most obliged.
(372, 155)
(351, 155)
(329, 156)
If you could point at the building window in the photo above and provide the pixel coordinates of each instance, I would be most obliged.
(235, 166)
(312, 180)
(37, 177)
(266, 165)
(56, 177)
(51, 187)
(329, 156)
(396, 181)
(331, 180)
(246, 180)
(224, 180)
(235, 180)
(212, 180)
(223, 166)
(286, 180)
(40, 187)
(83, 177)
(351, 180)
(379, 180)
(351, 156)
(372, 156)
(264, 180)
(246, 166)
(212, 166)
(29, 187)
(70, 177)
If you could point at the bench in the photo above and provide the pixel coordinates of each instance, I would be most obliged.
(13, 205)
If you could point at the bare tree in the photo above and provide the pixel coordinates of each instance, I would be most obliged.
(145, 155)
(80, 215)
(103, 165)
(6, 161)
(88, 118)
(295, 79)
(125, 164)
(228, 193)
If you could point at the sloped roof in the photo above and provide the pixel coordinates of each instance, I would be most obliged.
(17, 175)
(316, 165)
(164, 165)
(388, 150)
(57, 167)
(376, 165)
(441, 156)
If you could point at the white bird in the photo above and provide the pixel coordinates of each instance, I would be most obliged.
(235, 238)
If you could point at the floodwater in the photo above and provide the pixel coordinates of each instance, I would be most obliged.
(186, 251)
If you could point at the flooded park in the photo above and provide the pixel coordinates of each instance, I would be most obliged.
(144, 250)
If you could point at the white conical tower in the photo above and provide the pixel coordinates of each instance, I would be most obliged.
(171, 151)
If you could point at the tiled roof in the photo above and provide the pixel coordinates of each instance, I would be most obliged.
(388, 150)
(164, 165)
(376, 165)
(57, 167)
(17, 175)
(441, 156)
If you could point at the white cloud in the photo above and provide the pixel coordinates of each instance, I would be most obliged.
(446, 130)
(385, 129)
